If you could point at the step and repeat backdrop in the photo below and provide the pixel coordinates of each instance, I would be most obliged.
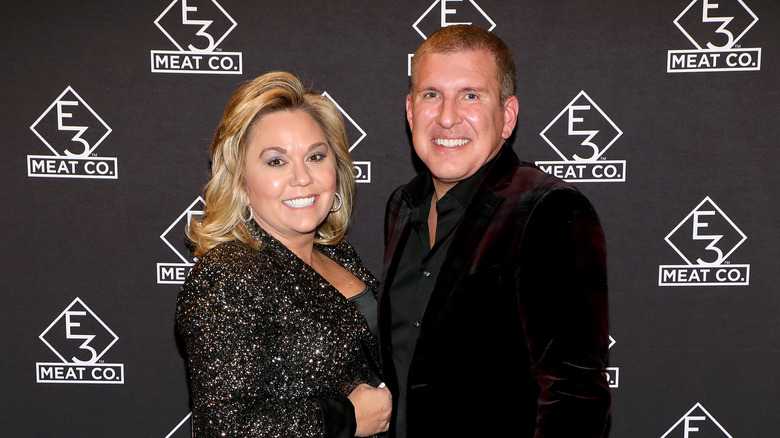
(664, 113)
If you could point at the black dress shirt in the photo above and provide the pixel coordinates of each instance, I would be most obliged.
(418, 268)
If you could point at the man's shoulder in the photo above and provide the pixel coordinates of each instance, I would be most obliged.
(527, 178)
(396, 198)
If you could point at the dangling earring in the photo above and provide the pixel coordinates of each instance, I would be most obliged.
(338, 207)
(251, 214)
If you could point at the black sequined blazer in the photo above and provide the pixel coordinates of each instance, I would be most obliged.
(273, 349)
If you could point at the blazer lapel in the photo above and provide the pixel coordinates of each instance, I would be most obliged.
(396, 228)
(470, 231)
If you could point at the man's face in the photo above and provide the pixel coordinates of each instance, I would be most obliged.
(454, 114)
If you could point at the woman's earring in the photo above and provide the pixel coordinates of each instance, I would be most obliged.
(251, 214)
(338, 207)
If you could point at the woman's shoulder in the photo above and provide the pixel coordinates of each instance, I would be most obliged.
(225, 263)
(217, 285)
(342, 252)
(345, 255)
(223, 257)
(233, 250)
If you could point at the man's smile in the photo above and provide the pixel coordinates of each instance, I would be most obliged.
(450, 142)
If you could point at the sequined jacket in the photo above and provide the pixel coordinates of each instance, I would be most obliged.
(273, 349)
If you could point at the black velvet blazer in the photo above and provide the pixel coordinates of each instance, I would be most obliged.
(273, 349)
(514, 338)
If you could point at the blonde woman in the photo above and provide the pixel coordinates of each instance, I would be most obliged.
(278, 314)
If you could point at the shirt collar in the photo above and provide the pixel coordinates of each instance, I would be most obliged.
(420, 189)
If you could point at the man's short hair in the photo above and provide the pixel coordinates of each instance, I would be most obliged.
(463, 38)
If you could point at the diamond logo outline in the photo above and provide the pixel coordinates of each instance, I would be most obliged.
(433, 5)
(733, 42)
(725, 256)
(81, 101)
(213, 45)
(618, 131)
(347, 116)
(187, 212)
(707, 415)
(78, 300)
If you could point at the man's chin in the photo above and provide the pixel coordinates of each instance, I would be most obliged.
(451, 176)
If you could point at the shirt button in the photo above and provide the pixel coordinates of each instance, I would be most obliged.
(426, 273)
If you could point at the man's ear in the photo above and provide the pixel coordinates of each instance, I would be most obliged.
(409, 110)
(511, 109)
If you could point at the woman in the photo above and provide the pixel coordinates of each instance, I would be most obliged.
(276, 343)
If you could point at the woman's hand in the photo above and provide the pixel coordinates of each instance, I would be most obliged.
(372, 409)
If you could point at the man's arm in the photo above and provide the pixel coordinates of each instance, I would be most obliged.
(562, 284)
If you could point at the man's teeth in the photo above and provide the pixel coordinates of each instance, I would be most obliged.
(299, 202)
(450, 142)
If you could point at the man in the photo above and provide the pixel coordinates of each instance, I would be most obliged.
(493, 313)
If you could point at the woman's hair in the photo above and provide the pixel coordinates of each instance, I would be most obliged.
(225, 193)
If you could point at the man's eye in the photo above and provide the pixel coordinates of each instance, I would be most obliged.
(471, 96)
(430, 94)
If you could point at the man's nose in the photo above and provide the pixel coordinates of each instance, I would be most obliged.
(449, 115)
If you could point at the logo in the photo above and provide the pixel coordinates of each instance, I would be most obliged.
(72, 131)
(450, 12)
(580, 134)
(176, 273)
(196, 28)
(182, 432)
(80, 339)
(705, 240)
(360, 169)
(715, 28)
(612, 374)
(696, 423)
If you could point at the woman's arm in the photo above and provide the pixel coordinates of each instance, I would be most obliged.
(229, 361)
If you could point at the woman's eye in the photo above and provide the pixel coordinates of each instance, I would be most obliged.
(318, 156)
(275, 162)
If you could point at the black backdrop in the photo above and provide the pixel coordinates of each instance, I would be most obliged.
(108, 109)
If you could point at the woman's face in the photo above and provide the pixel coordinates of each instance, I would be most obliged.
(290, 174)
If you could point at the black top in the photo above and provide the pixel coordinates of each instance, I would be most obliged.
(366, 303)
(418, 268)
